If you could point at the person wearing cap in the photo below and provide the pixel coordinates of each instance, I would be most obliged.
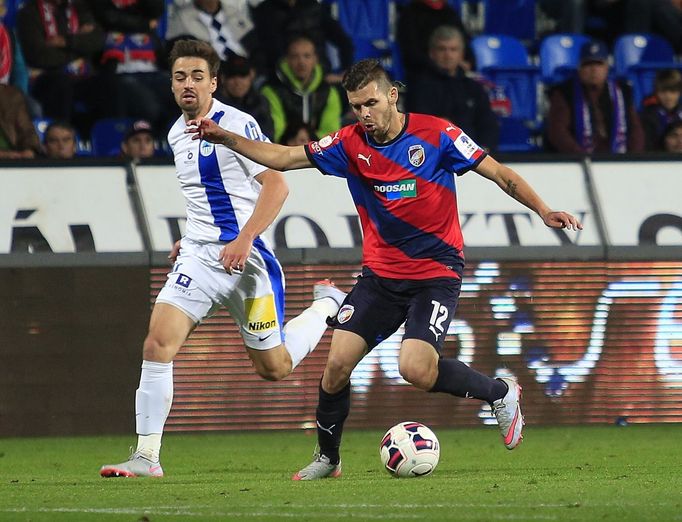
(662, 108)
(235, 88)
(590, 113)
(138, 142)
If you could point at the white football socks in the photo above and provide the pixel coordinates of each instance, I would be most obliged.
(303, 332)
(153, 401)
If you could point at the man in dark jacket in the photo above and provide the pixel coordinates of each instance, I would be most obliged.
(590, 113)
(444, 90)
(299, 92)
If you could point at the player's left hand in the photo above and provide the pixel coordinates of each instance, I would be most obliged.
(562, 220)
(205, 129)
(234, 255)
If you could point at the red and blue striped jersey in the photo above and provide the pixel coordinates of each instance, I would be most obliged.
(404, 191)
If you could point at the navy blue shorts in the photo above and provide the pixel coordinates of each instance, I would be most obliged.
(377, 306)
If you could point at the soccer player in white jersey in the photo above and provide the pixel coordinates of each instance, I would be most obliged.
(221, 261)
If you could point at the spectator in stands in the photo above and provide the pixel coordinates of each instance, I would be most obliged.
(60, 141)
(662, 108)
(138, 141)
(60, 39)
(444, 90)
(236, 88)
(18, 137)
(225, 24)
(298, 133)
(672, 138)
(416, 22)
(299, 92)
(135, 82)
(278, 21)
(12, 66)
(590, 113)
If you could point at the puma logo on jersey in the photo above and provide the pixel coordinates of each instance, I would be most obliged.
(450, 127)
(365, 158)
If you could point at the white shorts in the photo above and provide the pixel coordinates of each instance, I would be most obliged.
(199, 285)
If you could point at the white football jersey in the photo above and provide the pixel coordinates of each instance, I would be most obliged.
(219, 185)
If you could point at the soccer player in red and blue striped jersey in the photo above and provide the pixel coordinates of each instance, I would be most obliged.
(399, 169)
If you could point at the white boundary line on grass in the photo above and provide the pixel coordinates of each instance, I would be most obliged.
(258, 514)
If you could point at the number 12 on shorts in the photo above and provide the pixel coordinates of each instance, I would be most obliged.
(438, 316)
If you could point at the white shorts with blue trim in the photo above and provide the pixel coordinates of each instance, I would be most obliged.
(199, 285)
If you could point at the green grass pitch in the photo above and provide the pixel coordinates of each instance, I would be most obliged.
(560, 473)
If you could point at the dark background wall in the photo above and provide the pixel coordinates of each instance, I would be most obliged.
(70, 348)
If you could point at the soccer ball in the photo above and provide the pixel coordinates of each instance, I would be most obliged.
(409, 449)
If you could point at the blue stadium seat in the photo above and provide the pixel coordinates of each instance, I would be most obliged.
(504, 61)
(364, 20)
(106, 136)
(515, 136)
(560, 56)
(637, 58)
(511, 17)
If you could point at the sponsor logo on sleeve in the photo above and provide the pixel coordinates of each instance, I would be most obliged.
(466, 146)
(328, 140)
(405, 188)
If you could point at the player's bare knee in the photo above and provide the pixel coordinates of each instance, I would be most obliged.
(273, 373)
(419, 376)
(156, 351)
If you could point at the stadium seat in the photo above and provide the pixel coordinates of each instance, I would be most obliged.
(364, 20)
(504, 61)
(510, 17)
(106, 136)
(515, 136)
(637, 58)
(560, 56)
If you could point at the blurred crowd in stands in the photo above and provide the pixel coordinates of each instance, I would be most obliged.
(90, 77)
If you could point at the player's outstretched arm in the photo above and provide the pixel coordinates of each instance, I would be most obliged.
(518, 188)
(278, 157)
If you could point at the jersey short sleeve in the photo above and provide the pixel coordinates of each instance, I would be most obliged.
(328, 153)
(459, 153)
(246, 126)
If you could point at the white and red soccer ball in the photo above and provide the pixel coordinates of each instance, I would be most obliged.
(409, 449)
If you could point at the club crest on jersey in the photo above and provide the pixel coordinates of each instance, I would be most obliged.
(416, 155)
(345, 313)
(206, 148)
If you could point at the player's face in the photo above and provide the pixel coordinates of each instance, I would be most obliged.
(375, 108)
(193, 86)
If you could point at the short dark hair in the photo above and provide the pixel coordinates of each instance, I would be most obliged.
(668, 80)
(59, 124)
(363, 72)
(195, 49)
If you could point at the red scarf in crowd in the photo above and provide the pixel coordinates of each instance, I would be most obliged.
(48, 16)
(5, 55)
